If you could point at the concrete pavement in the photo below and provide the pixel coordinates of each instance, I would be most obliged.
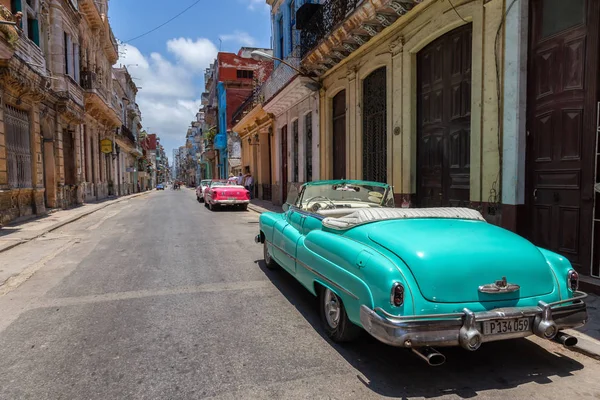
(160, 298)
(16, 234)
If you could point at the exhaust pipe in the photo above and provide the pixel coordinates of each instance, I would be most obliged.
(431, 355)
(565, 340)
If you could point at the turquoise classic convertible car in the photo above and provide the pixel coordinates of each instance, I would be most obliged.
(418, 278)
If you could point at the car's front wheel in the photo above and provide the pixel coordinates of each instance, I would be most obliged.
(270, 263)
(335, 320)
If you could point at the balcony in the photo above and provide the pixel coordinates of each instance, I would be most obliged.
(90, 11)
(96, 101)
(126, 132)
(204, 98)
(111, 48)
(29, 52)
(281, 76)
(248, 105)
(330, 32)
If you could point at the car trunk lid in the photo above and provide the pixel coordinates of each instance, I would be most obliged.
(451, 258)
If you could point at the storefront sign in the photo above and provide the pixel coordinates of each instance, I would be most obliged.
(106, 146)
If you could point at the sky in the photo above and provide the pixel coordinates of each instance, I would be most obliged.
(168, 64)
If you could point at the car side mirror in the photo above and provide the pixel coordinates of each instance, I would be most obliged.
(285, 207)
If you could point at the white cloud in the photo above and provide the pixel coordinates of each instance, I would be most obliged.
(196, 54)
(168, 98)
(257, 5)
(242, 38)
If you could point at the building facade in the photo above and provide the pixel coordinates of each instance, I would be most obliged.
(292, 98)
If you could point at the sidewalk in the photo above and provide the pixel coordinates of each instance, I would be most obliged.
(14, 235)
(261, 206)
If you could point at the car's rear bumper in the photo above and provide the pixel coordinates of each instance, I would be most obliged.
(230, 202)
(466, 329)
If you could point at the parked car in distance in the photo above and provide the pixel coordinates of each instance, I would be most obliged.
(418, 278)
(160, 186)
(220, 194)
(201, 189)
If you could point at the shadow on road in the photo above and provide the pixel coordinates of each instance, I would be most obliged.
(391, 371)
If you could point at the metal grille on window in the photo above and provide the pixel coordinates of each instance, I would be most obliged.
(18, 147)
(308, 130)
(295, 149)
(375, 127)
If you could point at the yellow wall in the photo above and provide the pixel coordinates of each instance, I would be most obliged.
(396, 48)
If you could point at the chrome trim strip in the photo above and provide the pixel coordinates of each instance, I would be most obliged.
(493, 314)
(576, 296)
(355, 297)
(349, 293)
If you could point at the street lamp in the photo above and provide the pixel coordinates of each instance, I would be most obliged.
(262, 56)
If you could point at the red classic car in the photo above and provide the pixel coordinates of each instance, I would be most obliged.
(219, 193)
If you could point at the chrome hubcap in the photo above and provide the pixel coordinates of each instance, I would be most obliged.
(332, 308)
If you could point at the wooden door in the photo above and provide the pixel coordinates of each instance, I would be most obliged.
(375, 126)
(339, 136)
(284, 163)
(444, 120)
(563, 68)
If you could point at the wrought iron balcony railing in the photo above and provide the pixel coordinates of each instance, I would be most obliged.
(324, 19)
(252, 101)
(125, 131)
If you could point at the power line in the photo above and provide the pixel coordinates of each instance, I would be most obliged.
(163, 24)
(456, 11)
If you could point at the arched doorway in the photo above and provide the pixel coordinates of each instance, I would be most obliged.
(444, 120)
(375, 126)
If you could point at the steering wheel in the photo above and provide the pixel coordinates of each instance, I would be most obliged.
(331, 203)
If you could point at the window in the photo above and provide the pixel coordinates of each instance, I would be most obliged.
(295, 150)
(66, 47)
(18, 149)
(560, 15)
(69, 157)
(280, 37)
(292, 22)
(245, 74)
(33, 30)
(308, 130)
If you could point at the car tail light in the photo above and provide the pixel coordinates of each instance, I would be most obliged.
(248, 194)
(573, 280)
(397, 296)
(215, 194)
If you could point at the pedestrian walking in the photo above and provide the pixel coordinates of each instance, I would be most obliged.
(240, 179)
(249, 184)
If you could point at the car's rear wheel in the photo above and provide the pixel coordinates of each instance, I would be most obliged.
(335, 320)
(269, 262)
(244, 207)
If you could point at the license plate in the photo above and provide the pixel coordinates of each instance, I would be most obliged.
(501, 326)
(231, 198)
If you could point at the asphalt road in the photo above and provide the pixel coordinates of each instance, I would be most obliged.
(159, 298)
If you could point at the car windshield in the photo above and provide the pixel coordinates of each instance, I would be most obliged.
(205, 183)
(218, 183)
(342, 195)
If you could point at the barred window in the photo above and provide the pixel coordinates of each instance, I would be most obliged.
(18, 147)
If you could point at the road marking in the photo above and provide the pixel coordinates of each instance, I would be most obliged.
(138, 294)
(15, 281)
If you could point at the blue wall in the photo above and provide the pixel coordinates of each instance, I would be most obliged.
(221, 138)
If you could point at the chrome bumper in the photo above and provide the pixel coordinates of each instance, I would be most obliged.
(466, 329)
(230, 202)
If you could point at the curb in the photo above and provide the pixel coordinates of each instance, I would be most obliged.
(257, 209)
(586, 345)
(70, 220)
